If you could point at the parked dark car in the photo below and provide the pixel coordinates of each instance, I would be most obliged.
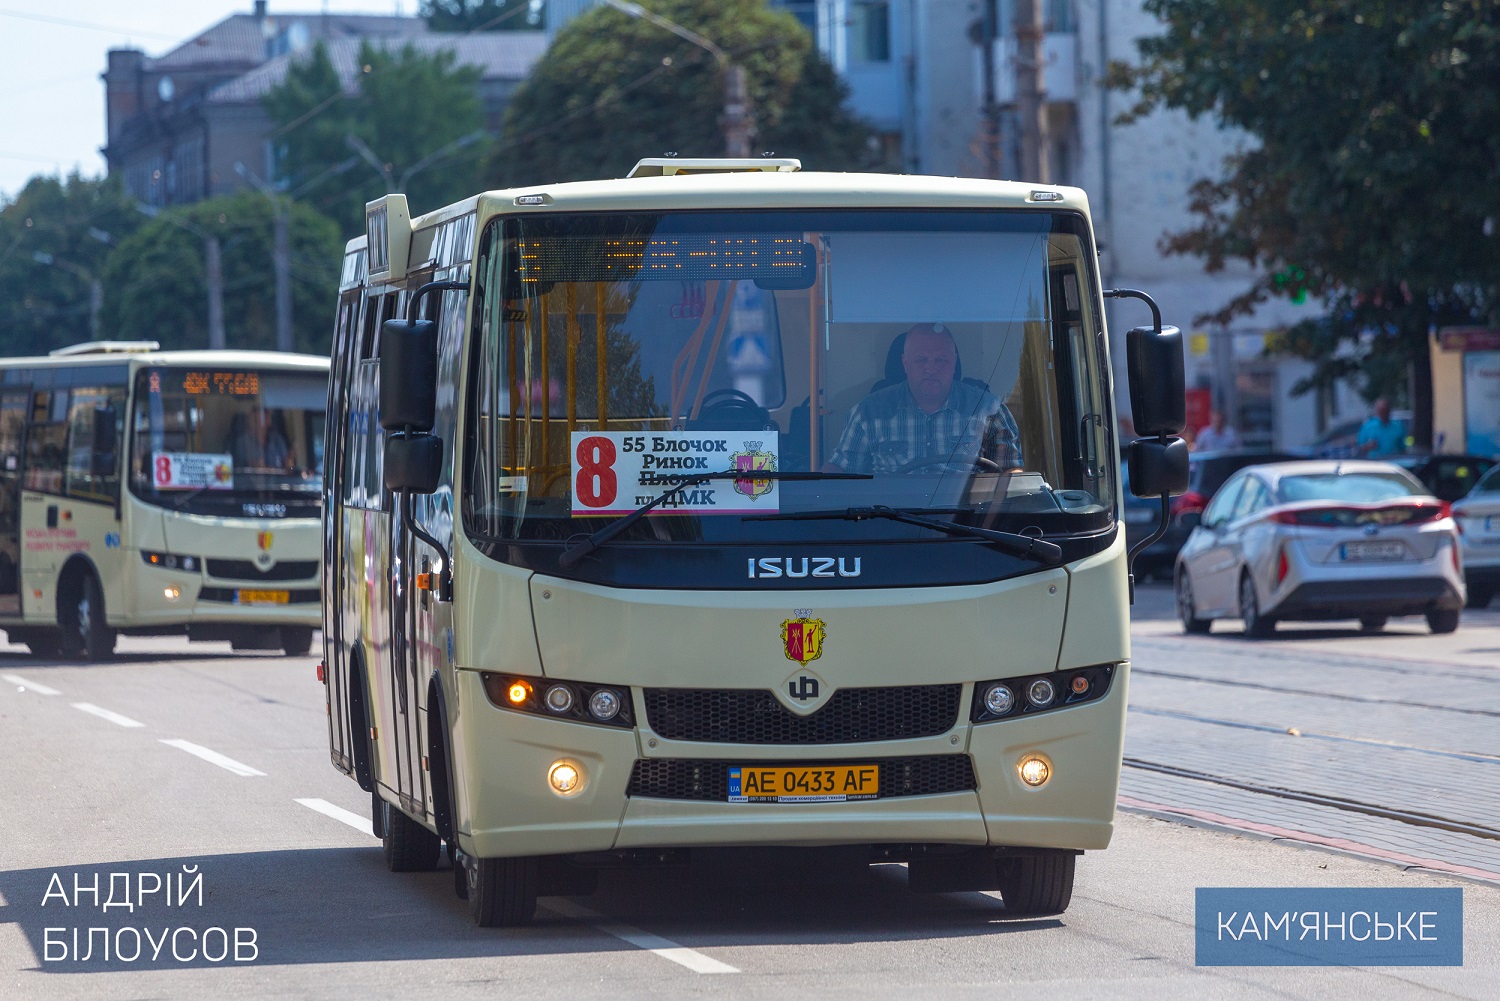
(1207, 472)
(1448, 477)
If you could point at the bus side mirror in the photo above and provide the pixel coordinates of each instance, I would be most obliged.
(1158, 397)
(104, 461)
(413, 461)
(408, 375)
(1158, 467)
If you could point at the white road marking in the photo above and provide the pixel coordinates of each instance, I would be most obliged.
(23, 684)
(213, 757)
(665, 948)
(113, 717)
(327, 809)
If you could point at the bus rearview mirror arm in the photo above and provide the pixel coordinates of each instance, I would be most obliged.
(1158, 408)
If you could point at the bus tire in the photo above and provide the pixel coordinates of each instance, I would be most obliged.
(502, 891)
(85, 632)
(408, 846)
(45, 643)
(296, 641)
(1037, 885)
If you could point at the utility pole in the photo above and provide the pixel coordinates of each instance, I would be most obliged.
(215, 269)
(738, 120)
(281, 255)
(989, 36)
(1030, 93)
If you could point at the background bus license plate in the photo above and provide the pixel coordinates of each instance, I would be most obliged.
(827, 784)
(1372, 551)
(248, 597)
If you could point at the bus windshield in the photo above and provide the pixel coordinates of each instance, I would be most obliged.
(232, 442)
(953, 360)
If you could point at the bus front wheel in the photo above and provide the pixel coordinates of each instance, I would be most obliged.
(86, 634)
(1037, 885)
(501, 891)
(296, 641)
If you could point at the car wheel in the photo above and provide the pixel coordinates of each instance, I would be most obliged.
(1442, 620)
(1037, 885)
(1479, 597)
(85, 633)
(1257, 626)
(501, 891)
(1187, 611)
(1372, 623)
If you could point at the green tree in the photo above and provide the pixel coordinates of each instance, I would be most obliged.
(411, 122)
(1371, 183)
(612, 89)
(156, 283)
(72, 223)
(484, 15)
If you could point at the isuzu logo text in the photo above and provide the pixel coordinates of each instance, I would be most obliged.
(803, 566)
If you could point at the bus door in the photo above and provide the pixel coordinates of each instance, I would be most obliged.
(335, 552)
(15, 404)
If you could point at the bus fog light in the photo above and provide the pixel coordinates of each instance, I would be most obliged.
(171, 593)
(604, 704)
(565, 777)
(559, 698)
(999, 700)
(1034, 770)
(1040, 694)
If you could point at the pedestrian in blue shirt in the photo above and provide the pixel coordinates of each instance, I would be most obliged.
(1381, 434)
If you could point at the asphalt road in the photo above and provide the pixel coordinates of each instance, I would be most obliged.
(177, 756)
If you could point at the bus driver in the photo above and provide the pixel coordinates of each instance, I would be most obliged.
(931, 419)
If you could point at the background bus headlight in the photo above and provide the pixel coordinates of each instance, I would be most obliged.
(1041, 693)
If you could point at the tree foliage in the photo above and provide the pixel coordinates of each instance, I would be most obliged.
(612, 89)
(156, 282)
(73, 222)
(1372, 179)
(418, 116)
(484, 15)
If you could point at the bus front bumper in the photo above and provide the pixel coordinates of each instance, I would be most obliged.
(507, 808)
(175, 596)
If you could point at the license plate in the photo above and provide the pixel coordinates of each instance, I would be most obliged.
(803, 784)
(248, 597)
(1372, 551)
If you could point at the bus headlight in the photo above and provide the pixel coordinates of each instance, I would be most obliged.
(171, 561)
(574, 701)
(999, 700)
(1034, 770)
(1041, 693)
(567, 778)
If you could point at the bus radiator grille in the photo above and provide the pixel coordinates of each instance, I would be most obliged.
(753, 716)
(682, 778)
(247, 570)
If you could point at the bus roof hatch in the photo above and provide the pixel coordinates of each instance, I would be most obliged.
(105, 348)
(666, 166)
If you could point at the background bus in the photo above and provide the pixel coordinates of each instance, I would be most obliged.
(620, 577)
(160, 493)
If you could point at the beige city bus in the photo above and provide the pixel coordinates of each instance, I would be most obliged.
(729, 505)
(153, 492)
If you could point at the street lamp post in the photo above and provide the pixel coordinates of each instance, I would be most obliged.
(96, 287)
(212, 265)
(281, 255)
(736, 120)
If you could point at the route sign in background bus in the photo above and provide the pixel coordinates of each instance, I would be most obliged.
(732, 505)
(160, 493)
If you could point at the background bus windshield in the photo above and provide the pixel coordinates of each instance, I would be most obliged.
(229, 441)
(956, 358)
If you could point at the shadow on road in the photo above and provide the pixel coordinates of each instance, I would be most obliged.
(340, 905)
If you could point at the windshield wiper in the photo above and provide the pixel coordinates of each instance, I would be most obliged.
(613, 529)
(1019, 545)
(181, 502)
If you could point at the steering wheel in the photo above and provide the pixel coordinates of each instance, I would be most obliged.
(731, 406)
(978, 462)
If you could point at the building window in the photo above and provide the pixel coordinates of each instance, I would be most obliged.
(1059, 16)
(869, 31)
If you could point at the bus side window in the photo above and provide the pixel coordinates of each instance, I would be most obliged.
(94, 427)
(46, 446)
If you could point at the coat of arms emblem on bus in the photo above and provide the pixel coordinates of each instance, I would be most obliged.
(803, 639)
(263, 539)
(752, 458)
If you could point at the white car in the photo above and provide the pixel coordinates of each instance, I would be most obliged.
(1478, 517)
(1322, 539)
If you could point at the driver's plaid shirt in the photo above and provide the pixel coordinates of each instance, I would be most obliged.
(887, 430)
